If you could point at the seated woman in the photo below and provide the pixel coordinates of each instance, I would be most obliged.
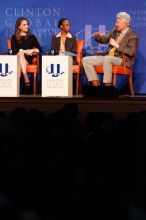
(24, 44)
(64, 40)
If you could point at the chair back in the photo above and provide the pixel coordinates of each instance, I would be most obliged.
(9, 43)
(80, 46)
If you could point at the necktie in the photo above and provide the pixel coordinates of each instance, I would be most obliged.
(112, 51)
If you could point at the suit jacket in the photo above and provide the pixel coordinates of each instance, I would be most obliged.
(127, 45)
(70, 45)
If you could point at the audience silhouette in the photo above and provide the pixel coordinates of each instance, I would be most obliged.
(63, 166)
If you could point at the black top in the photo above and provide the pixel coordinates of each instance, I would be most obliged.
(25, 43)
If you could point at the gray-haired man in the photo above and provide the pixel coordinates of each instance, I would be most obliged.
(121, 40)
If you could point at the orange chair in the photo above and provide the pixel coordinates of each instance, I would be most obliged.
(120, 70)
(31, 68)
(77, 69)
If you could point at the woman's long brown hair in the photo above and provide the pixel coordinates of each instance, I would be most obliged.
(17, 30)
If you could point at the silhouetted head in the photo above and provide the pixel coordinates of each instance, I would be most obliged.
(71, 110)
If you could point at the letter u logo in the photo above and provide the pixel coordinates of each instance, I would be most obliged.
(3, 68)
(55, 68)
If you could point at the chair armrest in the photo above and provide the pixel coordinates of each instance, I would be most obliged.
(124, 63)
(79, 57)
(79, 60)
(36, 60)
(126, 68)
(124, 60)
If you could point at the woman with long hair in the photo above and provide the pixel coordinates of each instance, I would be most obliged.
(24, 44)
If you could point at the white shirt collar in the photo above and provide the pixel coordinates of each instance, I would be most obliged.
(124, 32)
(68, 35)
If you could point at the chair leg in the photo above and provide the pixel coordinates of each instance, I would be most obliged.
(114, 79)
(131, 85)
(77, 84)
(34, 84)
(80, 86)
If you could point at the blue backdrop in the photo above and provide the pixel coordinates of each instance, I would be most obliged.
(87, 16)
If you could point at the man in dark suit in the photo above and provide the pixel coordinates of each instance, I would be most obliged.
(122, 41)
(64, 41)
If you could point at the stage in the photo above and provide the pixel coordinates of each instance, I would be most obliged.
(119, 106)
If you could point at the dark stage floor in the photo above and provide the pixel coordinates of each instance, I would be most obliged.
(121, 105)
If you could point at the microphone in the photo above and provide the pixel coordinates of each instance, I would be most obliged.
(114, 32)
(53, 52)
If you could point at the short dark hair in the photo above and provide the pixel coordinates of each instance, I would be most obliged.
(61, 21)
